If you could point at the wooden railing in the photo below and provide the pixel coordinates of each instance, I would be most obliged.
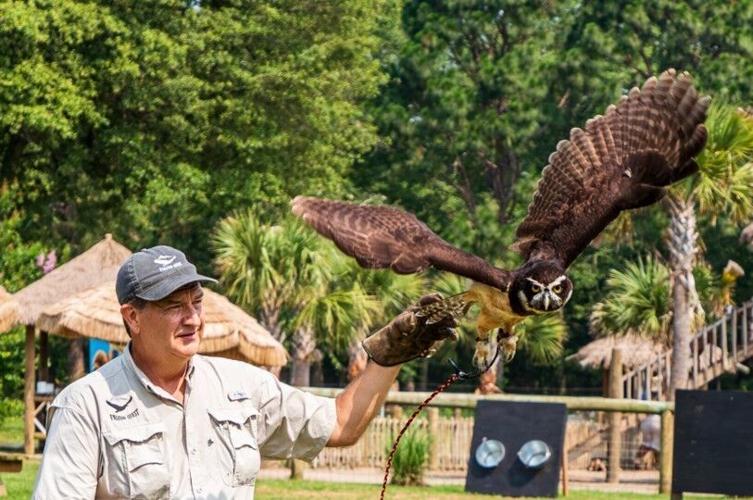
(718, 348)
(452, 453)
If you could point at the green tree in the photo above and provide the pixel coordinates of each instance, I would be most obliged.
(286, 276)
(150, 120)
(723, 186)
(463, 104)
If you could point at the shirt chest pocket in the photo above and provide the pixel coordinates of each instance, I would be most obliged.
(237, 451)
(136, 466)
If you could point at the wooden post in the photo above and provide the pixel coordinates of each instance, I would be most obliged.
(44, 371)
(565, 474)
(734, 334)
(396, 412)
(665, 455)
(433, 416)
(29, 382)
(615, 418)
(296, 468)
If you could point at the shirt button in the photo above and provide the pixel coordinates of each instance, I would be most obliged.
(199, 491)
(194, 451)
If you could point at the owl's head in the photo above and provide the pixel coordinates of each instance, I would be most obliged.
(541, 287)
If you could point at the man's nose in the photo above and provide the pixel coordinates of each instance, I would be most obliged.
(191, 315)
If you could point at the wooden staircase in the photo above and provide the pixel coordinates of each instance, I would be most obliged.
(718, 348)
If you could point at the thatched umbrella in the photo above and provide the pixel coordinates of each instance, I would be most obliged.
(98, 264)
(636, 351)
(8, 310)
(228, 332)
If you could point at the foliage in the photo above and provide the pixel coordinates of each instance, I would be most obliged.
(411, 458)
(292, 279)
(158, 120)
(462, 105)
(150, 120)
(12, 361)
(11, 408)
(17, 260)
(542, 338)
(725, 185)
(637, 301)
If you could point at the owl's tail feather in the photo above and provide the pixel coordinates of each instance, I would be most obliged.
(455, 306)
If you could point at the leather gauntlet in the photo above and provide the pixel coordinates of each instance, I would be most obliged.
(408, 337)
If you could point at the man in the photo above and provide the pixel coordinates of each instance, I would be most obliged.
(161, 421)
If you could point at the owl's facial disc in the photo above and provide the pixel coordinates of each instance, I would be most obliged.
(539, 298)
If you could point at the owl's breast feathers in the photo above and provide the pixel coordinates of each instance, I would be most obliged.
(494, 308)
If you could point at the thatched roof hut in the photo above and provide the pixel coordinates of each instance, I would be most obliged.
(98, 264)
(636, 351)
(229, 331)
(8, 310)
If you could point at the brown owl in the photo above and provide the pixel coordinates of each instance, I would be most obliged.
(622, 160)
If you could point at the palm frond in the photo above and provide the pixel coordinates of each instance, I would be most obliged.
(637, 301)
(543, 338)
(725, 183)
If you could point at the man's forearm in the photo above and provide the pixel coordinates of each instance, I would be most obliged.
(360, 400)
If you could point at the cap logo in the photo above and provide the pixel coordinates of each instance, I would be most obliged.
(164, 260)
(167, 262)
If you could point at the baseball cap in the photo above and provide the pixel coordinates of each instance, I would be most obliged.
(154, 273)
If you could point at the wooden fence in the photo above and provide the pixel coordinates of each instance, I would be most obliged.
(452, 435)
(587, 435)
(451, 440)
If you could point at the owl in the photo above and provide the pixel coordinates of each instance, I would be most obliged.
(622, 160)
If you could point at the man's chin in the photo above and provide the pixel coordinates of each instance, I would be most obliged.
(187, 345)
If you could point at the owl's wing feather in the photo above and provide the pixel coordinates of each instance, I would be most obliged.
(379, 236)
(620, 161)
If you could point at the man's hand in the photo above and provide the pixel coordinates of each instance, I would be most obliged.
(408, 337)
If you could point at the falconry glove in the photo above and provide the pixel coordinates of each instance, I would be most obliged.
(408, 336)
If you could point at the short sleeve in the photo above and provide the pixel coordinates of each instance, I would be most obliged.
(293, 423)
(70, 459)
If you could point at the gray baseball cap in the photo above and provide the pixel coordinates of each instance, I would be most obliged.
(154, 273)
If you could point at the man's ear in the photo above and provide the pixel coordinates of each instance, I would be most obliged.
(131, 317)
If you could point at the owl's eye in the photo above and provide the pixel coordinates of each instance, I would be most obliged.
(557, 288)
(536, 288)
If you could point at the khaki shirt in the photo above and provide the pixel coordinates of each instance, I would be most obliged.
(114, 434)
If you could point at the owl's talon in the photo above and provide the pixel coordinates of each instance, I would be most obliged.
(476, 372)
(509, 346)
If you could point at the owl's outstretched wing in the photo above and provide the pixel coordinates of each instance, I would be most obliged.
(622, 160)
(384, 237)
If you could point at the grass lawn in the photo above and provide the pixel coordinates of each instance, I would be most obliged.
(12, 430)
(19, 487)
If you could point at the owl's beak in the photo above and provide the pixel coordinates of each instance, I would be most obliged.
(546, 300)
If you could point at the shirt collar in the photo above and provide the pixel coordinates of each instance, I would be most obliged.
(146, 381)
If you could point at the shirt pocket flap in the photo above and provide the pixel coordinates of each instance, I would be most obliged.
(138, 434)
(237, 416)
(242, 437)
(241, 425)
(142, 445)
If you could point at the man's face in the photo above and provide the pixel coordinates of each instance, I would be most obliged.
(174, 325)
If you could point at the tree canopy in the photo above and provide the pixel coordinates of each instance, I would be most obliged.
(156, 120)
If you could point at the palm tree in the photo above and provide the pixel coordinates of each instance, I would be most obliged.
(637, 301)
(284, 274)
(725, 185)
(391, 292)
